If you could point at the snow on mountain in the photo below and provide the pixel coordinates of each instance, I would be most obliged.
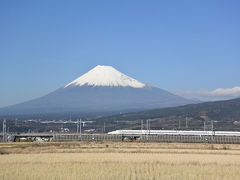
(106, 76)
(101, 90)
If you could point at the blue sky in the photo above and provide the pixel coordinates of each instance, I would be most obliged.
(175, 45)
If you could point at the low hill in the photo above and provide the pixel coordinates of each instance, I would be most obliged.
(225, 115)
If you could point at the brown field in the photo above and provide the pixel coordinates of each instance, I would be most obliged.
(118, 161)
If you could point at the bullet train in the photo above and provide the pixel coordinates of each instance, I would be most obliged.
(175, 132)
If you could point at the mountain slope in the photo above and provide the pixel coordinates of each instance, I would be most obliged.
(102, 89)
(224, 114)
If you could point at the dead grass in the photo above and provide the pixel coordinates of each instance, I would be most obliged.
(109, 160)
(117, 147)
(118, 166)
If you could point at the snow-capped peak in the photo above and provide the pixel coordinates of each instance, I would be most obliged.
(105, 76)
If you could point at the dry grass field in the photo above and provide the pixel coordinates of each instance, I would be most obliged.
(110, 160)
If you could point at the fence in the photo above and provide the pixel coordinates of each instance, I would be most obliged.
(86, 137)
(148, 138)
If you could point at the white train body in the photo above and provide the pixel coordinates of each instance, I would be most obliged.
(175, 132)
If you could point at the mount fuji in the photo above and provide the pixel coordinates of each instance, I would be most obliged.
(102, 89)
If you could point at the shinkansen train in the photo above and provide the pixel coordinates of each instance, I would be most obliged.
(175, 132)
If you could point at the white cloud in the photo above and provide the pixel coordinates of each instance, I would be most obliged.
(215, 95)
(224, 92)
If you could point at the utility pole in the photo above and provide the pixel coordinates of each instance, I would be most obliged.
(212, 125)
(179, 124)
(186, 122)
(141, 129)
(4, 131)
(149, 127)
(104, 127)
(116, 125)
(212, 130)
(204, 125)
(147, 124)
(80, 130)
(78, 122)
